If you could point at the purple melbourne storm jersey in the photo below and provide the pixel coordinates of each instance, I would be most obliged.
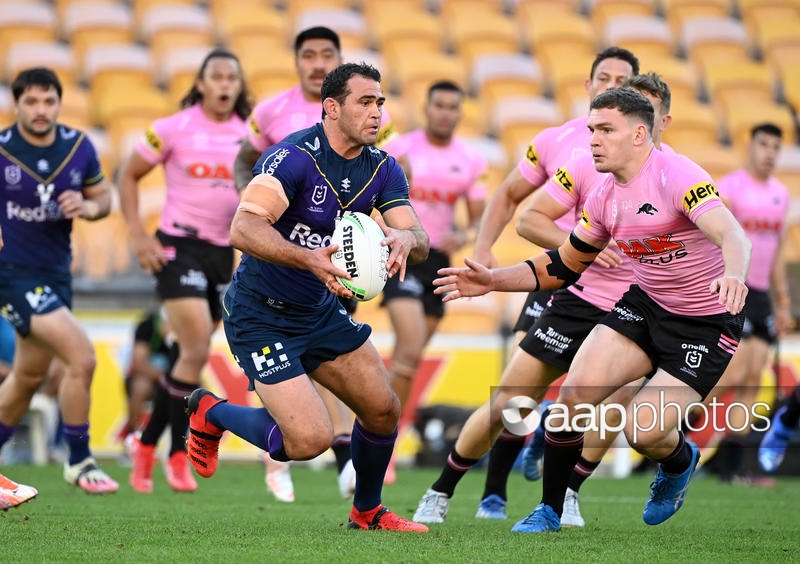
(320, 184)
(761, 208)
(652, 219)
(35, 232)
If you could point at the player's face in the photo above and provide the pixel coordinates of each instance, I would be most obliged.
(611, 139)
(361, 112)
(37, 110)
(609, 73)
(220, 85)
(764, 149)
(315, 59)
(443, 113)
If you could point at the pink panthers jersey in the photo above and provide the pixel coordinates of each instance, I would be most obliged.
(552, 148)
(570, 186)
(290, 111)
(197, 155)
(761, 208)
(652, 219)
(441, 176)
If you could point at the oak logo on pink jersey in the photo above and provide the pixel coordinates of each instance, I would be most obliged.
(651, 246)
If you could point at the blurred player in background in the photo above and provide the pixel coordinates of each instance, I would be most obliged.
(446, 170)
(317, 51)
(190, 254)
(761, 203)
(283, 321)
(52, 176)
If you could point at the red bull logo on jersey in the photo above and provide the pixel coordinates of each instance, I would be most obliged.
(698, 194)
(661, 249)
(563, 179)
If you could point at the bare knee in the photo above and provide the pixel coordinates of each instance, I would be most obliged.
(383, 419)
(194, 352)
(309, 444)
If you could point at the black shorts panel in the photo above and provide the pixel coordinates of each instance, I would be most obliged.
(196, 269)
(759, 318)
(534, 305)
(694, 349)
(561, 329)
(418, 284)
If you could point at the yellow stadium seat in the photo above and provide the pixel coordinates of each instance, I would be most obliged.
(787, 168)
(555, 29)
(693, 123)
(758, 13)
(76, 108)
(515, 121)
(393, 30)
(411, 72)
(707, 41)
(681, 77)
(678, 11)
(782, 59)
(600, 11)
(347, 23)
(56, 56)
(25, 21)
(729, 84)
(770, 34)
(452, 9)
(141, 7)
(495, 77)
(646, 36)
(293, 8)
(790, 81)
(264, 21)
(715, 159)
(179, 71)
(85, 25)
(267, 76)
(527, 10)
(472, 34)
(165, 28)
(740, 123)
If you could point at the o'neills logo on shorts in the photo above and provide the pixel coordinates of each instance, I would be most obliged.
(348, 251)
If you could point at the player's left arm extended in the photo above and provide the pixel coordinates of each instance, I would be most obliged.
(722, 229)
(554, 269)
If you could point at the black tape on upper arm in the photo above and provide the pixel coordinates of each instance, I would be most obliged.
(581, 245)
(558, 270)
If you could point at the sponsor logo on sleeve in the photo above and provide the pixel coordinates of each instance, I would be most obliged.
(152, 139)
(563, 179)
(254, 126)
(532, 156)
(699, 194)
(585, 221)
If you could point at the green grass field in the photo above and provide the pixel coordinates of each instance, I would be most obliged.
(232, 518)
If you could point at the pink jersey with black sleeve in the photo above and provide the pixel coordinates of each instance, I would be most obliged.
(570, 186)
(275, 118)
(442, 175)
(197, 155)
(552, 148)
(652, 219)
(761, 208)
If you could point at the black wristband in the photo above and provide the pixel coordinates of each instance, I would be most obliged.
(529, 262)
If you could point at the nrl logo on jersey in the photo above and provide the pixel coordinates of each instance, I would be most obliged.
(13, 174)
(320, 192)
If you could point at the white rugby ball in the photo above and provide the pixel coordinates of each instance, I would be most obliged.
(361, 254)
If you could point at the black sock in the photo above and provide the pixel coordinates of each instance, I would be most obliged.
(159, 418)
(582, 470)
(729, 456)
(178, 418)
(792, 414)
(561, 452)
(453, 471)
(502, 456)
(679, 460)
(341, 450)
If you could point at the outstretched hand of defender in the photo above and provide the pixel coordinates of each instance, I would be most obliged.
(400, 242)
(732, 293)
(321, 266)
(454, 283)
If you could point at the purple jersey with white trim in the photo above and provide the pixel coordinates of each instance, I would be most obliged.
(320, 184)
(550, 149)
(570, 186)
(761, 208)
(289, 111)
(35, 232)
(197, 155)
(442, 175)
(652, 219)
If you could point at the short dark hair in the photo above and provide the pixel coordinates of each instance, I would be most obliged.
(35, 76)
(243, 105)
(446, 85)
(615, 53)
(335, 84)
(651, 83)
(317, 32)
(629, 102)
(768, 128)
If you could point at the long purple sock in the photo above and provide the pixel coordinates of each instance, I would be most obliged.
(77, 438)
(253, 424)
(5, 433)
(371, 454)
